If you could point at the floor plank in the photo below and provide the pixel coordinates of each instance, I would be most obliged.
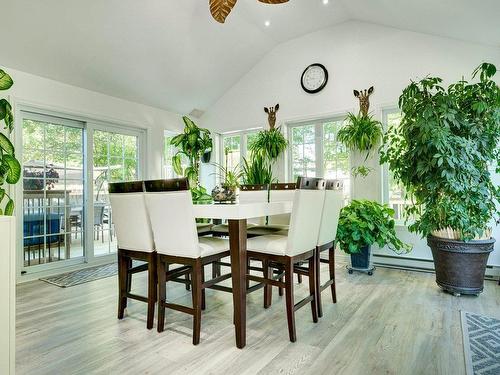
(395, 322)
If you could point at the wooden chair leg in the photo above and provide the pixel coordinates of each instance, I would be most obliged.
(162, 293)
(188, 279)
(318, 284)
(122, 284)
(290, 312)
(268, 289)
(312, 287)
(196, 293)
(152, 290)
(331, 266)
(203, 300)
(280, 290)
(129, 275)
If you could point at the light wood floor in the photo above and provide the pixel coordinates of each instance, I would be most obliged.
(395, 322)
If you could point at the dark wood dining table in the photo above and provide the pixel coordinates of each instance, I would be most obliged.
(237, 215)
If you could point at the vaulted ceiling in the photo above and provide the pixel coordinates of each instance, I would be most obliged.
(171, 54)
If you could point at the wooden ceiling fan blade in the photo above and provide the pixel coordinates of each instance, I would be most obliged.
(220, 9)
(273, 1)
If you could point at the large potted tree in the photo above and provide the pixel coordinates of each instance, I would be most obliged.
(10, 173)
(443, 153)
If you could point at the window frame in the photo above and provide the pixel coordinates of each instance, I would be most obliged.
(318, 122)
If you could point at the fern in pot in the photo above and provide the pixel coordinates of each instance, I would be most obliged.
(443, 153)
(363, 223)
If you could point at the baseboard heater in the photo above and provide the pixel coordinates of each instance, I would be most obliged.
(419, 265)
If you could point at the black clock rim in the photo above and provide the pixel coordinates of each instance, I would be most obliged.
(322, 85)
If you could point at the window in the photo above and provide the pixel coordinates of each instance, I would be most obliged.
(394, 193)
(315, 151)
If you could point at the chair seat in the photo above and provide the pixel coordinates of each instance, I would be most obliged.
(283, 232)
(203, 228)
(269, 244)
(213, 245)
(262, 230)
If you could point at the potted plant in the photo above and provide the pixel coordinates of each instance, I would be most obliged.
(363, 223)
(230, 178)
(441, 154)
(360, 133)
(257, 171)
(193, 144)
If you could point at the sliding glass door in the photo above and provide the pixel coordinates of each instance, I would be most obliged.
(64, 207)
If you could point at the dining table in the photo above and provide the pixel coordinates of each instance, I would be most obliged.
(236, 216)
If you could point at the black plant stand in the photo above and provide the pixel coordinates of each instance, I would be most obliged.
(360, 262)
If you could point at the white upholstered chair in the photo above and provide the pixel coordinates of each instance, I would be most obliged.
(170, 209)
(285, 252)
(334, 199)
(135, 242)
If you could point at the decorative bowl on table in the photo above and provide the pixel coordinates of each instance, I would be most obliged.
(224, 194)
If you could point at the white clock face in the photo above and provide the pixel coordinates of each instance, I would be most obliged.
(314, 78)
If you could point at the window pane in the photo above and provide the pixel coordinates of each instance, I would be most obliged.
(335, 155)
(303, 151)
(53, 188)
(396, 193)
(115, 160)
(232, 149)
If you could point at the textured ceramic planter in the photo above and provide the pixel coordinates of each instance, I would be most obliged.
(460, 266)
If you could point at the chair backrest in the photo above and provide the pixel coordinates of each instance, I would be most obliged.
(334, 198)
(254, 194)
(281, 192)
(130, 217)
(99, 212)
(170, 208)
(306, 215)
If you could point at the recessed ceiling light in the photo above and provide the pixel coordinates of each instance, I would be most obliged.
(325, 2)
(267, 23)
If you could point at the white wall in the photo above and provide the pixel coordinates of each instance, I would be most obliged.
(53, 95)
(357, 55)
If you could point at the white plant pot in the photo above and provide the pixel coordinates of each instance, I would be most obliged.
(7, 294)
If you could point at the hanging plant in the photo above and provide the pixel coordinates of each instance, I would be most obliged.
(361, 132)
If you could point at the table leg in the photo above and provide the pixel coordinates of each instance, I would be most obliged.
(238, 248)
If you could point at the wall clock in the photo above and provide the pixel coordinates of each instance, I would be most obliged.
(314, 78)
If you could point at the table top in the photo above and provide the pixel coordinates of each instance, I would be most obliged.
(241, 210)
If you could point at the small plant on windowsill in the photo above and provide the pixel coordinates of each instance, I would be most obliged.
(10, 168)
(363, 223)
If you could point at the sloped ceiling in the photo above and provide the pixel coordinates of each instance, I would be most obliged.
(171, 54)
